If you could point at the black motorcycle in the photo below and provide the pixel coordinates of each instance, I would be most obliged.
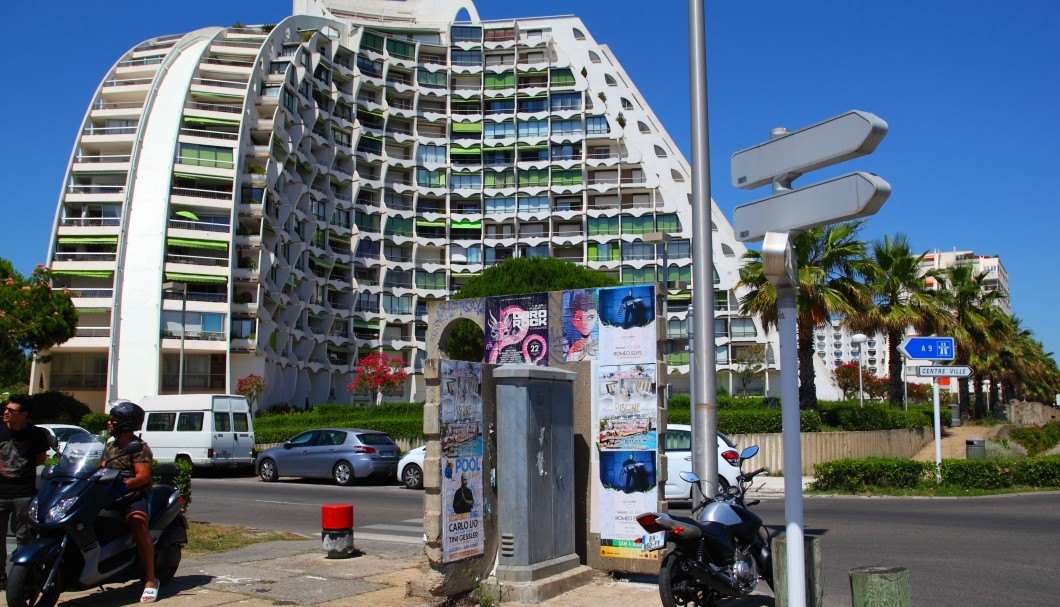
(82, 540)
(721, 551)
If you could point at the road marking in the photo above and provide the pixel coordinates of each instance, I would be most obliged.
(286, 503)
(400, 539)
(408, 528)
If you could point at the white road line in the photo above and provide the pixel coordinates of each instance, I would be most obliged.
(408, 528)
(286, 503)
(399, 539)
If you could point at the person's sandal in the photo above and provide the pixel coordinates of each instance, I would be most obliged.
(150, 595)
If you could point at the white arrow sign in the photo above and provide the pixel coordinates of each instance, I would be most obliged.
(954, 371)
(819, 145)
(841, 199)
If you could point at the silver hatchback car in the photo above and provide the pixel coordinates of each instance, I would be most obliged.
(342, 454)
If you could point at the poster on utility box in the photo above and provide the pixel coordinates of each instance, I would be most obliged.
(461, 434)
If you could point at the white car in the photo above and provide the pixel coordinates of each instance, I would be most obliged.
(678, 445)
(410, 468)
(62, 433)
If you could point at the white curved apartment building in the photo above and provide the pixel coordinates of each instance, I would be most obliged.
(311, 184)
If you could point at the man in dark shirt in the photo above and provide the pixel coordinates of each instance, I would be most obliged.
(23, 447)
(463, 498)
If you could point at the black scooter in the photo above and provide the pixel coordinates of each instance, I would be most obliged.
(722, 552)
(82, 540)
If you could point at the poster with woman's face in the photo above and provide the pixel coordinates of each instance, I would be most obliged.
(581, 325)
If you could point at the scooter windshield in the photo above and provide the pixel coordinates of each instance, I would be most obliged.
(82, 452)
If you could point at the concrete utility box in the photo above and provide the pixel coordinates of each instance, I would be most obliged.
(535, 472)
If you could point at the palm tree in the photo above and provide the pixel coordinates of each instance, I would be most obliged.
(900, 299)
(970, 309)
(829, 260)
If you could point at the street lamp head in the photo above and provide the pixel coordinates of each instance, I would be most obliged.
(859, 338)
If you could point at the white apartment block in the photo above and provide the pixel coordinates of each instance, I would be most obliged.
(996, 277)
(284, 199)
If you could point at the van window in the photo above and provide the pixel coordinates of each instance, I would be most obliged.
(240, 422)
(221, 422)
(161, 422)
(190, 422)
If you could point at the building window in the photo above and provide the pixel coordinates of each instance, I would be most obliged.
(79, 370)
(533, 128)
(466, 34)
(567, 127)
(533, 204)
(500, 205)
(627, 104)
(578, 34)
(565, 102)
(595, 58)
(430, 153)
(743, 328)
(597, 125)
(500, 130)
(610, 80)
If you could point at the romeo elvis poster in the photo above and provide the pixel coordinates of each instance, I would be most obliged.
(627, 325)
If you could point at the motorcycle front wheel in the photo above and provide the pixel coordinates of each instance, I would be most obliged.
(677, 588)
(25, 585)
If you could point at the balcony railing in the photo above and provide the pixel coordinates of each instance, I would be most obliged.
(101, 158)
(204, 297)
(95, 189)
(91, 222)
(219, 83)
(109, 130)
(203, 226)
(92, 332)
(104, 256)
(93, 293)
(127, 82)
(209, 134)
(198, 193)
(197, 260)
(213, 107)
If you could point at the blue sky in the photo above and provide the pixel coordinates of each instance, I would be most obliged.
(969, 90)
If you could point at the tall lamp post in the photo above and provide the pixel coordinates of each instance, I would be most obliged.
(182, 288)
(860, 339)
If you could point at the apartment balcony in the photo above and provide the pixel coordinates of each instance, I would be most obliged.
(94, 193)
(126, 89)
(215, 87)
(218, 199)
(101, 163)
(87, 261)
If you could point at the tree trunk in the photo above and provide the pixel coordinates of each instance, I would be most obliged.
(807, 376)
(894, 367)
(963, 396)
(995, 395)
(980, 403)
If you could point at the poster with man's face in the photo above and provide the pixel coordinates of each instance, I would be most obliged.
(462, 456)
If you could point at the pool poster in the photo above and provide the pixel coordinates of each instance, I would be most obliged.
(462, 452)
(627, 442)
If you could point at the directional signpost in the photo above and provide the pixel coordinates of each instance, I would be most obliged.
(774, 219)
(934, 348)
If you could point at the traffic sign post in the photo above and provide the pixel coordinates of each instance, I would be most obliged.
(934, 348)
(779, 161)
(940, 371)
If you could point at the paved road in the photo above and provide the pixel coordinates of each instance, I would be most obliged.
(970, 551)
(381, 511)
(997, 550)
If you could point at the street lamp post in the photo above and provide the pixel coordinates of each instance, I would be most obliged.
(860, 339)
(182, 288)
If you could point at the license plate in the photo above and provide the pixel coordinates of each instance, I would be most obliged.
(653, 541)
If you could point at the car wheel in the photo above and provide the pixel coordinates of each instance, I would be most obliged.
(267, 471)
(343, 474)
(412, 476)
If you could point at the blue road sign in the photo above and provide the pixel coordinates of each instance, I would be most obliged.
(928, 348)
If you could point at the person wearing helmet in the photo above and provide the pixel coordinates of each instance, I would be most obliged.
(126, 419)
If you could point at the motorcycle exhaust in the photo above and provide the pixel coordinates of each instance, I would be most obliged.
(711, 576)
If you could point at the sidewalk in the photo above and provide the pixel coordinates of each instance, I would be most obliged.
(298, 573)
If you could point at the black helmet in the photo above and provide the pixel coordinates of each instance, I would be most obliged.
(127, 416)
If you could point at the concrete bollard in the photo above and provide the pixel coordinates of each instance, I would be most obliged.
(880, 587)
(336, 521)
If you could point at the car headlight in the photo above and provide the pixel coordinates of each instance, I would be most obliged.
(58, 511)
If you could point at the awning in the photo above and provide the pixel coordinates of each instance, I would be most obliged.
(88, 240)
(202, 120)
(465, 152)
(188, 215)
(93, 310)
(679, 297)
(467, 127)
(196, 243)
(204, 178)
(86, 273)
(466, 223)
(321, 262)
(423, 223)
(365, 324)
(502, 148)
(182, 277)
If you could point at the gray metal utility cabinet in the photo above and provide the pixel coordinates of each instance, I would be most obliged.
(535, 479)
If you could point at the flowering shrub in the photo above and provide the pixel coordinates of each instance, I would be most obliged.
(251, 387)
(377, 373)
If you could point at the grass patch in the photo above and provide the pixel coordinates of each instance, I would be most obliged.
(204, 538)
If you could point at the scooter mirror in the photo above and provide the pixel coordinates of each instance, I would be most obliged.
(689, 477)
(134, 446)
(749, 452)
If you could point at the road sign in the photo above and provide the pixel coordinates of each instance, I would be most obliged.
(928, 348)
(840, 199)
(819, 145)
(942, 371)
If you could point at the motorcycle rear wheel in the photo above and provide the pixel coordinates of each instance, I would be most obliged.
(677, 588)
(24, 585)
(169, 560)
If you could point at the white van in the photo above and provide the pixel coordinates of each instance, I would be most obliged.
(204, 429)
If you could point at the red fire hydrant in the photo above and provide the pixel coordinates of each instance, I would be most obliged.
(336, 521)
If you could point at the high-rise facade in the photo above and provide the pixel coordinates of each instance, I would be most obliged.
(283, 199)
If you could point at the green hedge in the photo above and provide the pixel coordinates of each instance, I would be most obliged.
(857, 475)
(396, 428)
(1037, 440)
(750, 421)
(874, 416)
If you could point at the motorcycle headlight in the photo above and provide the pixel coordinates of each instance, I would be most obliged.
(33, 509)
(58, 511)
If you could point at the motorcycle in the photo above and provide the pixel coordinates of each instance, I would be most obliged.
(81, 537)
(721, 551)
